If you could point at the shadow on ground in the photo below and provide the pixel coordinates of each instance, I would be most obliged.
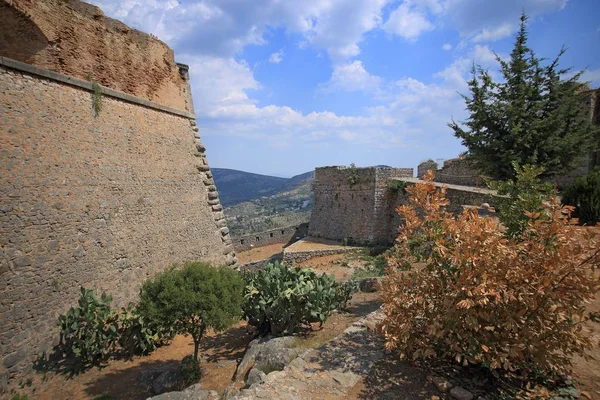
(129, 383)
(391, 378)
(229, 345)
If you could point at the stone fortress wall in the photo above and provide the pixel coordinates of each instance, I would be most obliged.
(286, 234)
(351, 211)
(365, 212)
(100, 201)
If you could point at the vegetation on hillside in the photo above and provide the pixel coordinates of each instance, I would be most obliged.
(291, 207)
(532, 115)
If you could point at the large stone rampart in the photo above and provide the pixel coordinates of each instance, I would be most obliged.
(76, 39)
(100, 200)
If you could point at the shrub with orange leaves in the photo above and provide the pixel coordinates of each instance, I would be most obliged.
(483, 298)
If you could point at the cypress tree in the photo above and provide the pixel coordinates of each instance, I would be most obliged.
(533, 115)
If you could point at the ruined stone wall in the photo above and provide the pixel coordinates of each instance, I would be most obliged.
(76, 39)
(459, 171)
(342, 210)
(425, 166)
(458, 197)
(102, 202)
(272, 236)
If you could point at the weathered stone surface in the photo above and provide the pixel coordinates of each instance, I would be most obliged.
(570, 392)
(328, 371)
(195, 392)
(461, 394)
(167, 381)
(83, 196)
(255, 376)
(267, 353)
(441, 384)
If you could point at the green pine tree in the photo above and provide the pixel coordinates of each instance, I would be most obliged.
(532, 116)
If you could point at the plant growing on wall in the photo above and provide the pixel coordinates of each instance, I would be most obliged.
(532, 116)
(396, 186)
(193, 299)
(96, 95)
(353, 177)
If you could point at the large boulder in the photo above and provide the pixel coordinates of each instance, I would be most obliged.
(267, 354)
(194, 392)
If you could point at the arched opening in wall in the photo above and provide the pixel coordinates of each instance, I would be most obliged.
(283, 231)
(20, 37)
(258, 238)
(242, 241)
(271, 234)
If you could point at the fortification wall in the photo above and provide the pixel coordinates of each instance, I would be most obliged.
(345, 210)
(459, 171)
(76, 39)
(272, 236)
(102, 202)
(458, 197)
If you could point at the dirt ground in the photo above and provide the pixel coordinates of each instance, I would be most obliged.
(334, 264)
(587, 372)
(122, 379)
(260, 253)
(310, 243)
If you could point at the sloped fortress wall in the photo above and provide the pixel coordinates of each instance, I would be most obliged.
(76, 39)
(100, 201)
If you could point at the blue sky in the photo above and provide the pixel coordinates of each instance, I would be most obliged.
(283, 86)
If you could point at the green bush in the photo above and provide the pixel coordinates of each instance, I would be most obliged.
(521, 199)
(137, 335)
(192, 299)
(89, 332)
(374, 268)
(92, 331)
(396, 186)
(584, 195)
(279, 298)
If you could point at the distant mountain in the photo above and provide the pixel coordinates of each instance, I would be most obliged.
(256, 203)
(238, 186)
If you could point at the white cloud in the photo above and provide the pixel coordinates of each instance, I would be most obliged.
(276, 57)
(352, 77)
(592, 76)
(407, 22)
(338, 26)
(224, 27)
(497, 33)
(494, 20)
(447, 46)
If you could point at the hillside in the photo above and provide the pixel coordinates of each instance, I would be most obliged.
(239, 186)
(271, 202)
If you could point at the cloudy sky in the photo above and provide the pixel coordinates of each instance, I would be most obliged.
(283, 86)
